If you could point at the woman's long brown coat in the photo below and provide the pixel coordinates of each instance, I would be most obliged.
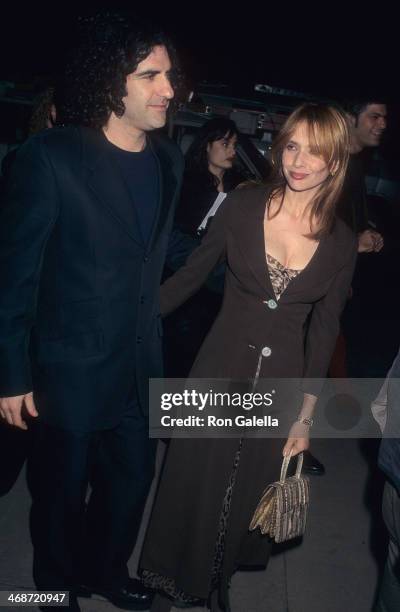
(184, 524)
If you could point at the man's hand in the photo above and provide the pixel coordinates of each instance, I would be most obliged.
(11, 409)
(369, 241)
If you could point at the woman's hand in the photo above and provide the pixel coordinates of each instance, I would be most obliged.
(298, 439)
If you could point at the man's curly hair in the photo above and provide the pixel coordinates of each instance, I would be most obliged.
(109, 47)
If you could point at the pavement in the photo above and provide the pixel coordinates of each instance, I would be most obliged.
(333, 569)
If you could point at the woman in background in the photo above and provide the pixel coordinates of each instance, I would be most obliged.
(210, 171)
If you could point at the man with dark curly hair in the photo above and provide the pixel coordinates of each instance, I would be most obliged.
(83, 241)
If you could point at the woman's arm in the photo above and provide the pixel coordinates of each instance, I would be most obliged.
(325, 325)
(320, 342)
(188, 279)
(299, 434)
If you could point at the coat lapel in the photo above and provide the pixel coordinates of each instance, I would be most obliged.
(324, 259)
(250, 236)
(106, 181)
(167, 188)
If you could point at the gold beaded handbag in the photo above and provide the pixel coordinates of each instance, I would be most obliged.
(282, 510)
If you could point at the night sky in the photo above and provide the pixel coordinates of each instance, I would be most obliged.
(320, 50)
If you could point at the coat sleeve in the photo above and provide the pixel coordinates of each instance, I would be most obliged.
(325, 325)
(26, 220)
(188, 279)
(180, 246)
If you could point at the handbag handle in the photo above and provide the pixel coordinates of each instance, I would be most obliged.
(285, 465)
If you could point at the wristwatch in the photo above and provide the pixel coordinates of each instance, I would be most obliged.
(305, 421)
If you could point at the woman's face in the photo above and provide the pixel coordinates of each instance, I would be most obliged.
(302, 169)
(221, 153)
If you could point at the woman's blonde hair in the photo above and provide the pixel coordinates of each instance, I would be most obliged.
(329, 139)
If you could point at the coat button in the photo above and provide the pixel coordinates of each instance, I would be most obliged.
(145, 259)
(142, 299)
(139, 340)
(271, 304)
(266, 351)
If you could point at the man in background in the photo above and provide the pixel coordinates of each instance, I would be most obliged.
(368, 122)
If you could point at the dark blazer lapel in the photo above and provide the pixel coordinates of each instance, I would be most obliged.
(325, 258)
(250, 236)
(167, 188)
(106, 181)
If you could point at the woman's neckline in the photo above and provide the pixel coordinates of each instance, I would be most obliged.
(299, 270)
(280, 264)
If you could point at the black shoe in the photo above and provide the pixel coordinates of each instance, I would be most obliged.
(133, 596)
(311, 465)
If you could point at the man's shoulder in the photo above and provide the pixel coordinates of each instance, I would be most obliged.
(57, 136)
(47, 148)
(162, 143)
(51, 140)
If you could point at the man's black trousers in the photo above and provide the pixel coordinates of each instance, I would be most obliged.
(80, 537)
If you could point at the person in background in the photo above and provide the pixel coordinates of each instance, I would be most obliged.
(209, 170)
(368, 122)
(386, 411)
(370, 326)
(210, 173)
(44, 116)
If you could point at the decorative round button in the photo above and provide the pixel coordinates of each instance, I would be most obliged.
(272, 304)
(266, 351)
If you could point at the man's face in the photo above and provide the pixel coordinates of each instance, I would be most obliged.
(370, 125)
(148, 92)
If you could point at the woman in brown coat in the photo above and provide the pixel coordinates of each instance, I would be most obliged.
(289, 267)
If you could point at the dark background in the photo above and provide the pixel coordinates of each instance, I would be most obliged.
(320, 49)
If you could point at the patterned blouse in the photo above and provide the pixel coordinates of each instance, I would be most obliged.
(279, 275)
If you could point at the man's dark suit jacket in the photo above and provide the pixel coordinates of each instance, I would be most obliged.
(79, 303)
